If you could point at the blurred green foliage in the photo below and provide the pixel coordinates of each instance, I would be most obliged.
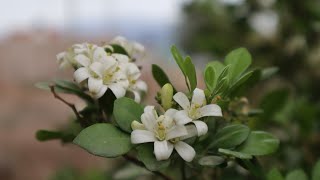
(280, 33)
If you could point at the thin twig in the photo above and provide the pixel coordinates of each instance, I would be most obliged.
(72, 106)
(139, 163)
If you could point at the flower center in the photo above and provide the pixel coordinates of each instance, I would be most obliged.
(194, 111)
(108, 76)
(160, 129)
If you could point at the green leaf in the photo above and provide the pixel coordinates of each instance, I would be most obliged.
(241, 81)
(178, 58)
(268, 72)
(223, 73)
(125, 111)
(159, 75)
(209, 78)
(145, 154)
(316, 171)
(259, 143)
(190, 71)
(230, 136)
(298, 174)
(119, 49)
(211, 161)
(274, 174)
(45, 135)
(221, 86)
(104, 140)
(235, 153)
(240, 60)
(217, 66)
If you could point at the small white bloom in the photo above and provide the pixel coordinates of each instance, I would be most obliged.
(165, 134)
(196, 109)
(136, 86)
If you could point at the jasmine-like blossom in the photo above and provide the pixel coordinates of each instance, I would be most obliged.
(136, 86)
(194, 110)
(164, 133)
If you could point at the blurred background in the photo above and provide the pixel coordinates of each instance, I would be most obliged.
(278, 33)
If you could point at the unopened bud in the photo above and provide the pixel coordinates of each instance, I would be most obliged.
(137, 125)
(166, 96)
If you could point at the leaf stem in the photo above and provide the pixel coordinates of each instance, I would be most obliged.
(72, 106)
(139, 163)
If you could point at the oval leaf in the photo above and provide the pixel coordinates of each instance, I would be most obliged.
(209, 78)
(104, 140)
(259, 143)
(145, 154)
(240, 60)
(316, 171)
(230, 136)
(190, 71)
(159, 75)
(211, 161)
(235, 154)
(125, 111)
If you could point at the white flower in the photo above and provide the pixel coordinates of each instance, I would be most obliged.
(165, 134)
(134, 49)
(136, 86)
(196, 109)
(102, 72)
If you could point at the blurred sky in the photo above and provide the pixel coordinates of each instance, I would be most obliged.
(140, 20)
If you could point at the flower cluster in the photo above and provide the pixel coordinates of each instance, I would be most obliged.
(168, 131)
(101, 68)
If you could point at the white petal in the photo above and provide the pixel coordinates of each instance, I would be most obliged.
(198, 97)
(60, 56)
(137, 97)
(109, 62)
(175, 132)
(121, 58)
(83, 60)
(181, 117)
(142, 136)
(141, 86)
(162, 150)
(182, 100)
(81, 74)
(97, 68)
(148, 109)
(117, 90)
(149, 120)
(94, 84)
(99, 54)
(210, 110)
(100, 93)
(185, 151)
(192, 131)
(201, 126)
(170, 112)
(139, 48)
(133, 71)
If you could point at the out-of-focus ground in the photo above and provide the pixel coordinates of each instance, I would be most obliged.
(27, 58)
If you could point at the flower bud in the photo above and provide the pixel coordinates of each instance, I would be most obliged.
(137, 125)
(166, 96)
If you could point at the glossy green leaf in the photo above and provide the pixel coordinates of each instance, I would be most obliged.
(217, 66)
(119, 49)
(190, 72)
(145, 154)
(104, 140)
(240, 81)
(125, 111)
(316, 171)
(45, 135)
(259, 143)
(209, 78)
(178, 58)
(230, 136)
(159, 75)
(222, 86)
(235, 153)
(298, 174)
(240, 60)
(274, 174)
(211, 161)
